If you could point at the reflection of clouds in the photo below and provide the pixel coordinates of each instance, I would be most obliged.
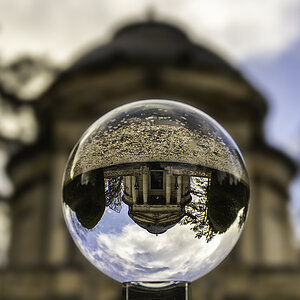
(133, 254)
(143, 256)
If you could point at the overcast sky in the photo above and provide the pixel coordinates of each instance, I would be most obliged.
(59, 28)
(261, 37)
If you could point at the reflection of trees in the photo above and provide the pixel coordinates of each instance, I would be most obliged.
(226, 196)
(88, 194)
(215, 206)
(86, 197)
(196, 210)
(215, 203)
(114, 190)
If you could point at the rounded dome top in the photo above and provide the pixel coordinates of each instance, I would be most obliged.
(151, 41)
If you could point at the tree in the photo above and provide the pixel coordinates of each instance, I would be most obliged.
(215, 204)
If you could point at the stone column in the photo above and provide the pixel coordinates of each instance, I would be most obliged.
(129, 183)
(134, 191)
(179, 189)
(168, 187)
(145, 187)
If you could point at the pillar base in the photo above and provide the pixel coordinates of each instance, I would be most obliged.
(171, 290)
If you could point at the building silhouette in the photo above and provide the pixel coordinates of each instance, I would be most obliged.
(146, 61)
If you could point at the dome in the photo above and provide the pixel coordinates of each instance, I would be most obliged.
(153, 42)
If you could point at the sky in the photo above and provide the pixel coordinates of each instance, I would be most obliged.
(124, 251)
(260, 37)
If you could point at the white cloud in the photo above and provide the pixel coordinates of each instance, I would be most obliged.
(133, 254)
(245, 28)
(59, 29)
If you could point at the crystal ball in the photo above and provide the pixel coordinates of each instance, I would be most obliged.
(155, 190)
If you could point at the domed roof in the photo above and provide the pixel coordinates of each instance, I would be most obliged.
(157, 223)
(151, 42)
(155, 49)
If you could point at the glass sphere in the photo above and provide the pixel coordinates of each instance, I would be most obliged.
(155, 190)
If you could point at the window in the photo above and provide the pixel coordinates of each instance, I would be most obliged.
(157, 180)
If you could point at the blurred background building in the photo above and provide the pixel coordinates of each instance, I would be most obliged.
(143, 60)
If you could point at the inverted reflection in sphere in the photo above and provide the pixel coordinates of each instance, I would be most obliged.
(155, 190)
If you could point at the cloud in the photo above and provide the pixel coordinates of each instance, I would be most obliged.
(58, 29)
(133, 254)
(246, 28)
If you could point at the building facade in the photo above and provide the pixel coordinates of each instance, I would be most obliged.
(145, 61)
(157, 196)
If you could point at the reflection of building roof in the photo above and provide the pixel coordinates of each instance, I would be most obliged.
(158, 218)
